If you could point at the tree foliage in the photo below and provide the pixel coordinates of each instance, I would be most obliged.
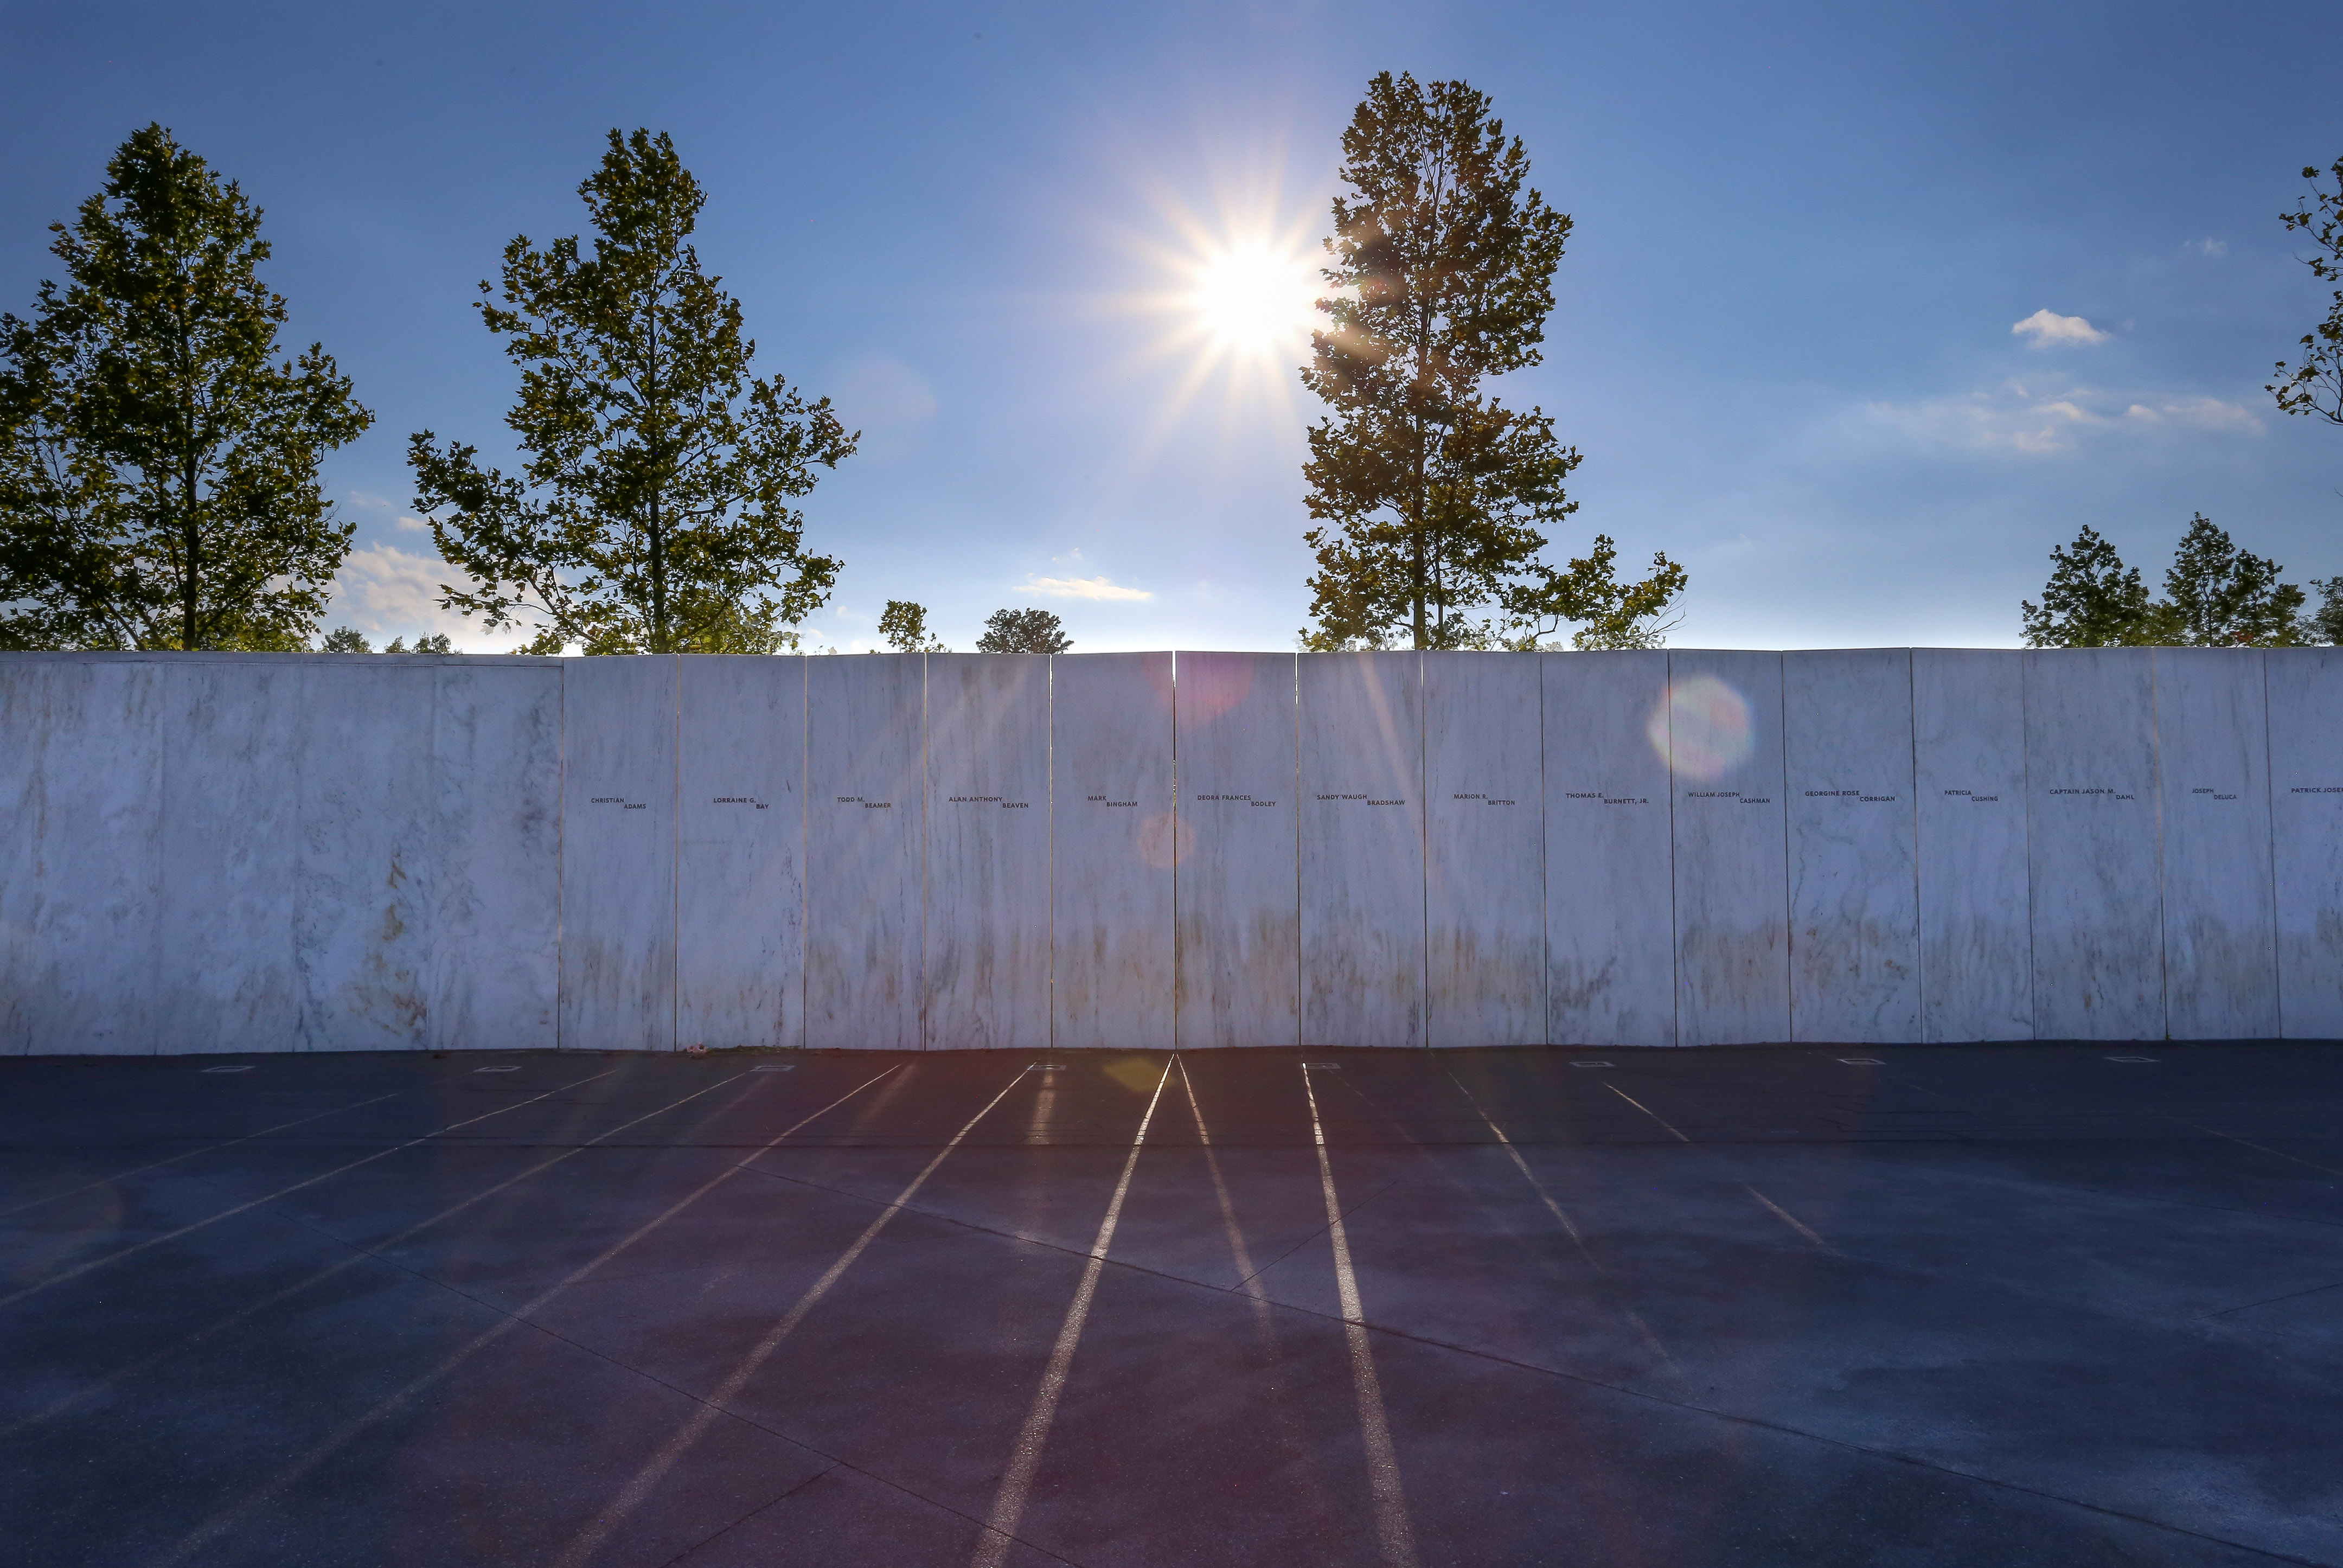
(1609, 614)
(2315, 386)
(904, 624)
(158, 464)
(1430, 492)
(652, 514)
(2216, 596)
(1024, 631)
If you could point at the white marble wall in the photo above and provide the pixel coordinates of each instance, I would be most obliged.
(1976, 937)
(2220, 936)
(1855, 913)
(1361, 717)
(81, 856)
(493, 966)
(235, 852)
(1237, 911)
(1732, 875)
(2306, 742)
(740, 819)
(1485, 851)
(1610, 897)
(866, 792)
(988, 876)
(2092, 841)
(1113, 838)
(617, 854)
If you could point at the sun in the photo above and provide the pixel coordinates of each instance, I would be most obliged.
(1253, 298)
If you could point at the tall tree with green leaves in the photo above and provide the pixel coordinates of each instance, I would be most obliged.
(2092, 600)
(1430, 492)
(1024, 631)
(652, 515)
(904, 624)
(2219, 596)
(2216, 596)
(1587, 593)
(159, 483)
(2315, 386)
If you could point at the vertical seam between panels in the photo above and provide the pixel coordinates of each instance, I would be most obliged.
(1911, 735)
(1293, 731)
(675, 856)
(2269, 792)
(1178, 947)
(2156, 673)
(1676, 924)
(1782, 789)
(562, 856)
(2025, 779)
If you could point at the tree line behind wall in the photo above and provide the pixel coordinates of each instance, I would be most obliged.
(160, 455)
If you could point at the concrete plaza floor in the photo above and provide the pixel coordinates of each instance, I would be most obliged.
(2052, 1304)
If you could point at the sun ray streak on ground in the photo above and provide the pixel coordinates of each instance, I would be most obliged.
(1017, 1482)
(1249, 1277)
(383, 1409)
(115, 1257)
(638, 1486)
(1570, 1227)
(1792, 1220)
(1394, 1532)
(371, 1254)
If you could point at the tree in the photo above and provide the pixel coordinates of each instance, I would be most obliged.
(2092, 600)
(652, 514)
(2324, 624)
(904, 624)
(1611, 614)
(346, 640)
(1429, 491)
(2218, 595)
(158, 464)
(436, 643)
(1024, 631)
(2315, 386)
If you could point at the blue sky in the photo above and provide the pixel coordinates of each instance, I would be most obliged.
(1783, 336)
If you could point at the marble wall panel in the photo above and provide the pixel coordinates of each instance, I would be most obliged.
(1976, 967)
(1724, 733)
(1610, 900)
(494, 970)
(80, 852)
(987, 982)
(1114, 838)
(2220, 933)
(1361, 717)
(617, 853)
(370, 852)
(1237, 910)
(2306, 734)
(866, 787)
(229, 974)
(1484, 850)
(1854, 914)
(739, 945)
(2092, 844)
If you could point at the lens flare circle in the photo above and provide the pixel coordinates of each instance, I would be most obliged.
(1701, 728)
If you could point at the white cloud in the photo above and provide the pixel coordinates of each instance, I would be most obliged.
(2208, 245)
(408, 525)
(2019, 417)
(2045, 329)
(385, 592)
(2201, 413)
(1069, 558)
(1096, 588)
